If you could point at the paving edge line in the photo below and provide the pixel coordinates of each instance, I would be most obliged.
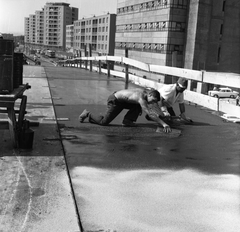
(65, 159)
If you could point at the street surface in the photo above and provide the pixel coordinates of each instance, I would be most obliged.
(134, 179)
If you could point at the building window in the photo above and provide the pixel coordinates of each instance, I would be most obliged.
(219, 55)
(223, 5)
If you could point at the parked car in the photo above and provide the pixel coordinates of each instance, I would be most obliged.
(230, 118)
(223, 92)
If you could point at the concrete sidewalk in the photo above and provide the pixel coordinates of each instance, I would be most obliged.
(35, 190)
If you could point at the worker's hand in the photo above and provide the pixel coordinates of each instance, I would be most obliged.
(166, 129)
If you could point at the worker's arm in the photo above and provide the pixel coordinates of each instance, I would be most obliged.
(182, 111)
(154, 116)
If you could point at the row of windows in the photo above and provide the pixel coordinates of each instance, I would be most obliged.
(53, 21)
(52, 8)
(100, 38)
(53, 17)
(94, 46)
(152, 26)
(153, 47)
(89, 22)
(152, 5)
(100, 29)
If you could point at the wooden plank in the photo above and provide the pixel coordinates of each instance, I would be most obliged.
(22, 111)
(7, 104)
(201, 99)
(101, 57)
(115, 58)
(16, 93)
(179, 72)
(12, 126)
(224, 79)
(135, 63)
(5, 111)
(229, 108)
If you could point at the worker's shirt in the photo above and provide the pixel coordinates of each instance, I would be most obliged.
(169, 93)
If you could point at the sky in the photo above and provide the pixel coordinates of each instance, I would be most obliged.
(13, 12)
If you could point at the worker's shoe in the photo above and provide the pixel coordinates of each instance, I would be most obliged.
(83, 115)
(128, 123)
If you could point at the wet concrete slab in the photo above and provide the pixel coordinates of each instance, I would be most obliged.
(134, 179)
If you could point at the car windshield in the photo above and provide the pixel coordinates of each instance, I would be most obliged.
(232, 117)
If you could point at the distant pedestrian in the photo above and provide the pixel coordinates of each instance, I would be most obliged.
(237, 100)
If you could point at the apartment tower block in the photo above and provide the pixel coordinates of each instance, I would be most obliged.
(47, 28)
(193, 34)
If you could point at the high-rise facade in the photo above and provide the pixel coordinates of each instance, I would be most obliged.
(99, 31)
(26, 30)
(69, 37)
(39, 27)
(32, 28)
(194, 34)
(49, 27)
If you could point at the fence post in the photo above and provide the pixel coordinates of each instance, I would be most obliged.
(108, 68)
(80, 56)
(99, 64)
(174, 64)
(90, 54)
(126, 70)
(85, 53)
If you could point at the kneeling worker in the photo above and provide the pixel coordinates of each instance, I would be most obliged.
(135, 100)
(173, 93)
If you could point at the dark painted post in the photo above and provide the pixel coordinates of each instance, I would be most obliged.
(90, 54)
(80, 56)
(99, 64)
(108, 68)
(85, 53)
(174, 64)
(126, 70)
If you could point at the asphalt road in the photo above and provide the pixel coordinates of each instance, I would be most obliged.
(134, 179)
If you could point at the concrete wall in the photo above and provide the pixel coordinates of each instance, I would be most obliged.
(198, 28)
(230, 44)
(213, 34)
